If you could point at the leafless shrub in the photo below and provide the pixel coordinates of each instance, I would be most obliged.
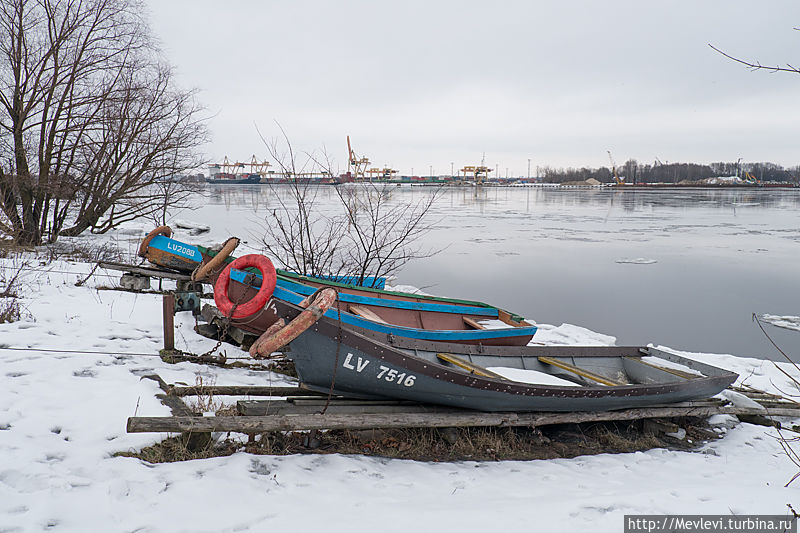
(382, 234)
(88, 252)
(11, 270)
(173, 193)
(787, 443)
(296, 232)
(204, 401)
(370, 233)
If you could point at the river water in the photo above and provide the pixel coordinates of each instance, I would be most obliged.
(685, 268)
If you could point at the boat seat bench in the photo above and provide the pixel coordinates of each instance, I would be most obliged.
(472, 323)
(363, 312)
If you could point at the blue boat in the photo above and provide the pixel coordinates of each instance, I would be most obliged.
(385, 319)
(170, 253)
(377, 313)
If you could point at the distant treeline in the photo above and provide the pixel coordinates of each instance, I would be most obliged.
(634, 172)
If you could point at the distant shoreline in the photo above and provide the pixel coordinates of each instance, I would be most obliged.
(613, 186)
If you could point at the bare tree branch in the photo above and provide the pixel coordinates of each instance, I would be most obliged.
(756, 65)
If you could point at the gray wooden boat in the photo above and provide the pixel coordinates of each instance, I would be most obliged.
(565, 378)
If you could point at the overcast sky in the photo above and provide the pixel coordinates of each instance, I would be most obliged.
(425, 83)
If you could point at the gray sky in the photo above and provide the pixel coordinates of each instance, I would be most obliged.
(421, 83)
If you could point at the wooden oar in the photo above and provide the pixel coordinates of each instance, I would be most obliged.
(579, 371)
(466, 365)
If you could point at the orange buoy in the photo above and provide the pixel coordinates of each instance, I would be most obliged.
(166, 231)
(275, 337)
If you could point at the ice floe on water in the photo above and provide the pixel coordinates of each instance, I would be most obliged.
(636, 261)
(195, 228)
(787, 322)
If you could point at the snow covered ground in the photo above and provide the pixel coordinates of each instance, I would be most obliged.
(63, 415)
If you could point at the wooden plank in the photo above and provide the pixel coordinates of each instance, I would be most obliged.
(363, 312)
(579, 371)
(755, 393)
(243, 390)
(144, 271)
(472, 323)
(466, 365)
(280, 407)
(770, 404)
(258, 424)
(288, 407)
(342, 401)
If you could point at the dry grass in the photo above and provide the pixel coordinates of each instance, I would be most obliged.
(203, 401)
(10, 310)
(84, 252)
(12, 266)
(428, 444)
(184, 447)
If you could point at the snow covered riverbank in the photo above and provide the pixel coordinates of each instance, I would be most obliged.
(63, 413)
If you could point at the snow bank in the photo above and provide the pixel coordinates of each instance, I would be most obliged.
(63, 414)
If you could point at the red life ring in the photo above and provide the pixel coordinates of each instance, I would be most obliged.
(166, 231)
(257, 303)
(277, 336)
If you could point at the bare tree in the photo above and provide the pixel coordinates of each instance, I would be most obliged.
(297, 233)
(90, 122)
(174, 192)
(368, 233)
(383, 233)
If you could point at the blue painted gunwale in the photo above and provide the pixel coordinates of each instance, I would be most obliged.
(412, 333)
(305, 290)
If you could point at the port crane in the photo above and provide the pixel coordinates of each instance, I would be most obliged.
(479, 173)
(381, 173)
(356, 166)
(238, 167)
(258, 168)
(620, 181)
